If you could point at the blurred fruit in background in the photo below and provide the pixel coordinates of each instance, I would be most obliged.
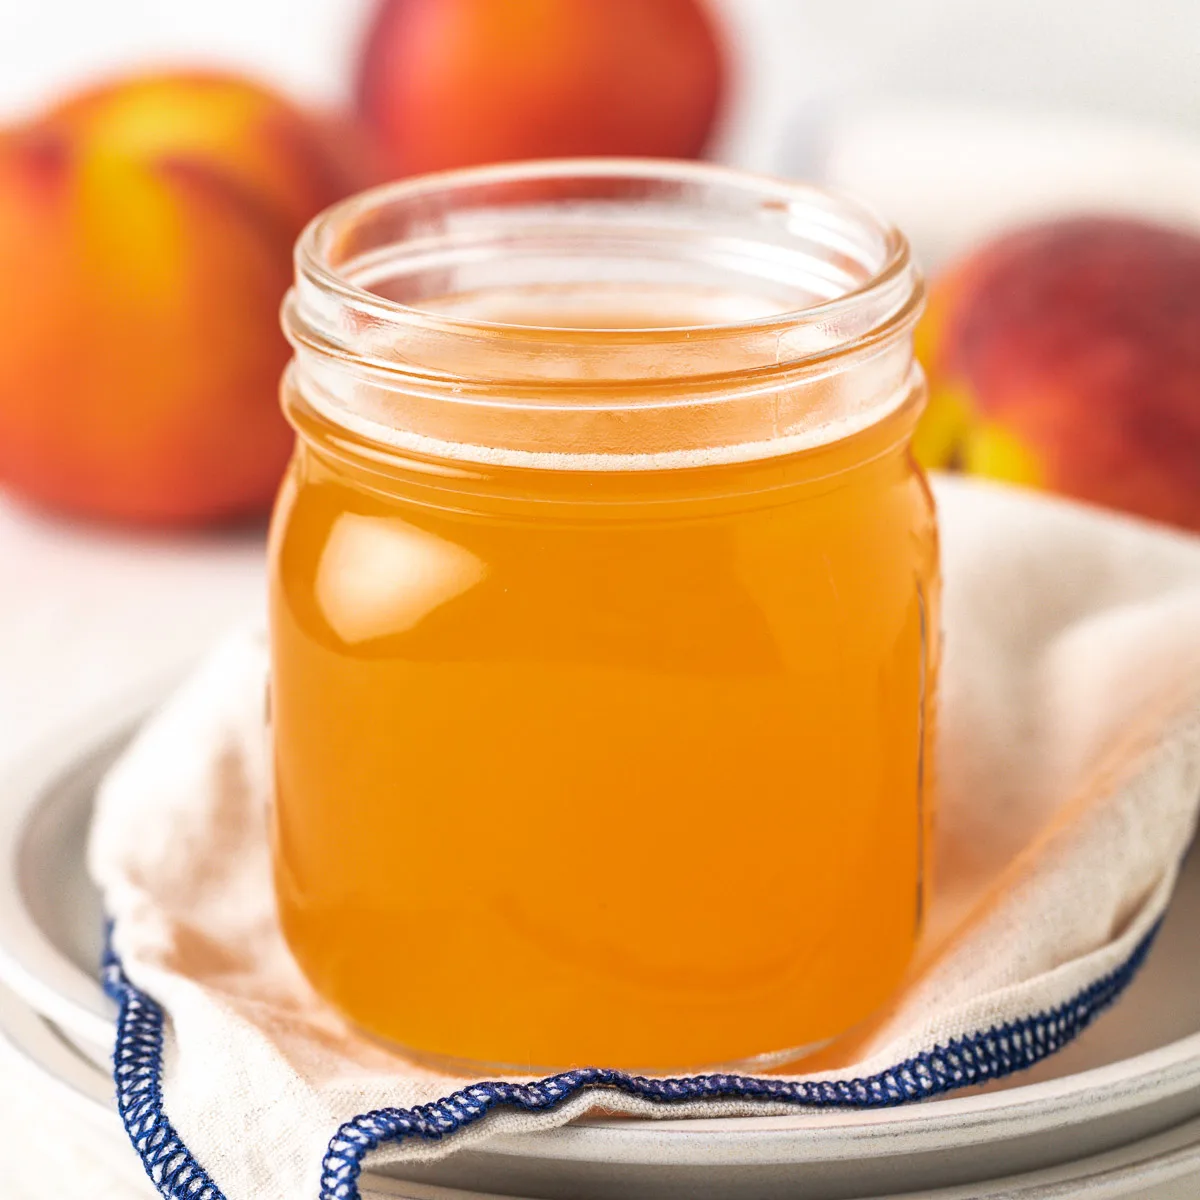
(1066, 355)
(146, 232)
(453, 83)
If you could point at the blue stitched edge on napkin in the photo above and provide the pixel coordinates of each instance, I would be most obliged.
(1000, 1051)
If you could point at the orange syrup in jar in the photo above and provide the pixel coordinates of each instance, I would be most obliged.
(609, 744)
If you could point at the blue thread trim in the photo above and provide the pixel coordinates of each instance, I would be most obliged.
(993, 1054)
(137, 1071)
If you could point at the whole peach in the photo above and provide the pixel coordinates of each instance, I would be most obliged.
(452, 83)
(146, 230)
(1067, 356)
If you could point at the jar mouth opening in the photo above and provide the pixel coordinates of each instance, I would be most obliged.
(757, 275)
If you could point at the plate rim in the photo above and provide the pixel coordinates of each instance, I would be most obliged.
(31, 965)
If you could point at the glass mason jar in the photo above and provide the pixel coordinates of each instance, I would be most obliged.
(604, 610)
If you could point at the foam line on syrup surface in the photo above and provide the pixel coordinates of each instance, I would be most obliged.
(823, 434)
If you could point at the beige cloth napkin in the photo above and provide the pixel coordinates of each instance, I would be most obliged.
(1069, 761)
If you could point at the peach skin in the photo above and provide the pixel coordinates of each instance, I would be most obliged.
(146, 229)
(452, 83)
(1067, 356)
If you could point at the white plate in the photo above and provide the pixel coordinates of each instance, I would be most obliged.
(1134, 1074)
(51, 922)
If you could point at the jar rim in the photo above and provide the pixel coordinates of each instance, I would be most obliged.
(312, 251)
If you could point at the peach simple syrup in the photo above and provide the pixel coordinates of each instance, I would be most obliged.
(615, 757)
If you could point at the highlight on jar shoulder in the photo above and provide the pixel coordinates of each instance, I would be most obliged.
(604, 617)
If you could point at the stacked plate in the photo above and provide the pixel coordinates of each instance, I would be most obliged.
(1113, 1117)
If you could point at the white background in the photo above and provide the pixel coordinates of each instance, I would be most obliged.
(1137, 58)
